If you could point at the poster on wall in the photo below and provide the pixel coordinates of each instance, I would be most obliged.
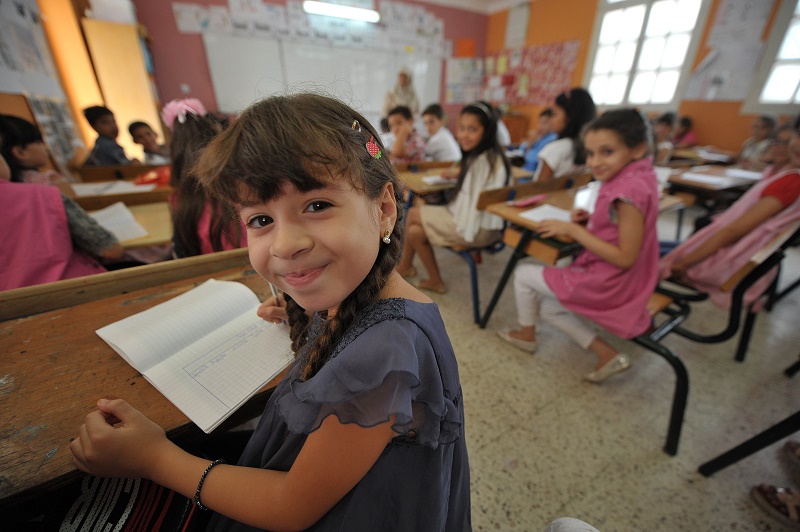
(464, 80)
(727, 70)
(57, 128)
(533, 75)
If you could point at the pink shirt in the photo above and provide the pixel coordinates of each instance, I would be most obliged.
(37, 247)
(613, 297)
(228, 237)
(709, 274)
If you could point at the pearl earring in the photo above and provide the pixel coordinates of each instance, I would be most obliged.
(386, 239)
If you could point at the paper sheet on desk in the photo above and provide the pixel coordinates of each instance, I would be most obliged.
(118, 219)
(437, 180)
(713, 156)
(722, 181)
(108, 188)
(546, 212)
(744, 174)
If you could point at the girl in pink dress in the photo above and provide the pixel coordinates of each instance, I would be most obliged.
(613, 277)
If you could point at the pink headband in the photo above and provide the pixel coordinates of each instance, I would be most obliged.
(179, 108)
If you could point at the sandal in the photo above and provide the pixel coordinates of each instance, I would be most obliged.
(792, 449)
(425, 284)
(781, 503)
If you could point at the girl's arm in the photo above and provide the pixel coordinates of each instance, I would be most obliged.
(764, 209)
(118, 440)
(545, 173)
(630, 222)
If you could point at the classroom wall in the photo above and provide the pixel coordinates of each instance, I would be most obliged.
(181, 58)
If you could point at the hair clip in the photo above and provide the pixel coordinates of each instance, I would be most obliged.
(178, 109)
(373, 148)
(356, 125)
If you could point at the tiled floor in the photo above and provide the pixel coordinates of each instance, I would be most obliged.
(544, 444)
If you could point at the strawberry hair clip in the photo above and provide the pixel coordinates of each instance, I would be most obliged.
(372, 146)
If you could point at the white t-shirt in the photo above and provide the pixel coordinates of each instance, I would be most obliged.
(480, 176)
(503, 135)
(442, 146)
(558, 155)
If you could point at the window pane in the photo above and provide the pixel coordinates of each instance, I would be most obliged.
(615, 92)
(632, 23)
(797, 9)
(661, 18)
(612, 26)
(652, 52)
(623, 59)
(642, 87)
(604, 59)
(665, 86)
(597, 88)
(688, 9)
(781, 84)
(675, 51)
(790, 49)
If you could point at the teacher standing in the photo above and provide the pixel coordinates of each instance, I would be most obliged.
(403, 93)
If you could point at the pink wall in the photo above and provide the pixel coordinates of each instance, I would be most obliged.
(181, 58)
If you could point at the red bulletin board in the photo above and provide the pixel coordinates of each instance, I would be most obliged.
(533, 75)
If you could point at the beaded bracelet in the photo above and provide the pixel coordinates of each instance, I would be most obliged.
(203, 479)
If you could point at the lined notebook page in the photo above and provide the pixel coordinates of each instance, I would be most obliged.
(206, 350)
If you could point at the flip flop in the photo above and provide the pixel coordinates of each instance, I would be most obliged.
(792, 449)
(781, 503)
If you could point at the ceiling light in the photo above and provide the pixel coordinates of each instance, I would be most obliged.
(339, 11)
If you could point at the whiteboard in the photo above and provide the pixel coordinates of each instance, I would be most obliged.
(244, 69)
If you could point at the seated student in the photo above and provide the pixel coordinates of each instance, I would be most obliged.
(48, 236)
(684, 136)
(564, 156)
(714, 253)
(154, 153)
(408, 145)
(106, 151)
(25, 152)
(441, 144)
(752, 152)
(459, 223)
(662, 138)
(542, 136)
(201, 224)
(503, 135)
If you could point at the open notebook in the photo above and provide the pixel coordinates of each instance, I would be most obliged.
(206, 350)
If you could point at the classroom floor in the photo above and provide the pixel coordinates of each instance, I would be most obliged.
(545, 444)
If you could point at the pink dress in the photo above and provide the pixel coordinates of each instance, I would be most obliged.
(37, 247)
(613, 297)
(709, 274)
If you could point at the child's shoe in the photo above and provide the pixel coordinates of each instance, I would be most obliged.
(618, 364)
(525, 345)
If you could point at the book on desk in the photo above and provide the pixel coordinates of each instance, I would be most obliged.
(206, 350)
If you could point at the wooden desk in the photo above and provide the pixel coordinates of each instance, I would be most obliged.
(414, 182)
(523, 238)
(721, 181)
(55, 367)
(106, 173)
(699, 156)
(100, 201)
(157, 221)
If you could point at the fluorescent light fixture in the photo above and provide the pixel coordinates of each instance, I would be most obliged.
(335, 10)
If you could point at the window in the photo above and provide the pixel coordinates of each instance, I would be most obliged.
(640, 51)
(776, 88)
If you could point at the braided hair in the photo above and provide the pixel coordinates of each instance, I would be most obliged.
(306, 141)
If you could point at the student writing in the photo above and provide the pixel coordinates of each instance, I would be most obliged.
(367, 430)
(459, 222)
(614, 275)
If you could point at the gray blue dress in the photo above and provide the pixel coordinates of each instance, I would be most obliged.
(396, 360)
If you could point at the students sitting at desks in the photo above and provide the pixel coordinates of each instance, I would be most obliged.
(106, 151)
(441, 144)
(48, 237)
(753, 149)
(459, 223)
(540, 137)
(684, 136)
(25, 152)
(572, 110)
(154, 153)
(408, 145)
(714, 253)
(201, 224)
(613, 277)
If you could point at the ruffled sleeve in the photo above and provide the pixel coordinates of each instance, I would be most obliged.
(389, 369)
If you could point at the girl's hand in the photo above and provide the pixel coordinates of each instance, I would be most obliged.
(553, 228)
(450, 173)
(118, 441)
(273, 310)
(679, 268)
(579, 216)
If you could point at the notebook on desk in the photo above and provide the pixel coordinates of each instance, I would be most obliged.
(206, 350)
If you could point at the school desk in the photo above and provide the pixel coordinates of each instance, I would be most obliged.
(712, 179)
(54, 367)
(522, 237)
(100, 201)
(156, 220)
(414, 180)
(107, 173)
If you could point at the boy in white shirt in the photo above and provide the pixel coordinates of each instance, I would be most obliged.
(442, 145)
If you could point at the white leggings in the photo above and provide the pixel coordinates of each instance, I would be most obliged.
(535, 298)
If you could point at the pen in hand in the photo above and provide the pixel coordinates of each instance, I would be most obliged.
(277, 297)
